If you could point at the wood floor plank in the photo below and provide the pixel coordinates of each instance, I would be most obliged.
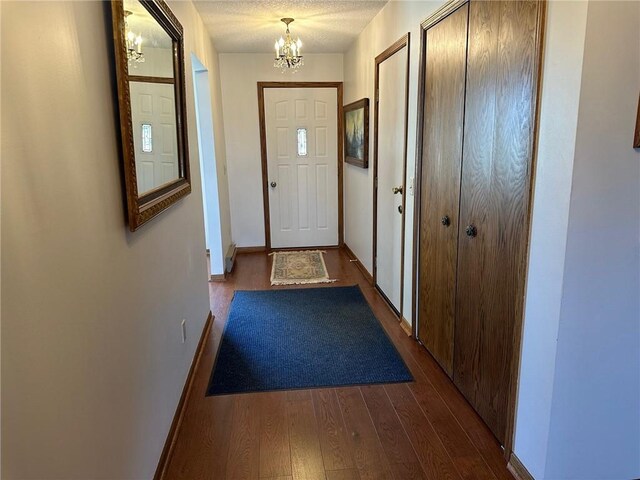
(243, 461)
(199, 435)
(275, 457)
(466, 457)
(470, 421)
(408, 471)
(435, 460)
(367, 450)
(393, 438)
(347, 474)
(306, 454)
(217, 442)
(336, 451)
(475, 429)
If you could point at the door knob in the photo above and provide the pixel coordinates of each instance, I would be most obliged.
(397, 190)
(400, 209)
(273, 184)
(471, 231)
(446, 221)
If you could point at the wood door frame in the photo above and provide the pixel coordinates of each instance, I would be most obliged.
(404, 41)
(437, 16)
(263, 152)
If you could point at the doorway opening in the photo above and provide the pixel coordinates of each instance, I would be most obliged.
(208, 169)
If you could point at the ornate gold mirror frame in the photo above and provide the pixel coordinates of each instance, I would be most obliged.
(143, 206)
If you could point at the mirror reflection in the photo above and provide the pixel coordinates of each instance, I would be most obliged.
(150, 55)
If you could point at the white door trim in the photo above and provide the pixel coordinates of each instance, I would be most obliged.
(396, 47)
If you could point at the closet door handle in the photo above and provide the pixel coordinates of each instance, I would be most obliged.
(446, 221)
(471, 231)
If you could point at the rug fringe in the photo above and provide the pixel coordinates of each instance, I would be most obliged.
(280, 283)
(288, 252)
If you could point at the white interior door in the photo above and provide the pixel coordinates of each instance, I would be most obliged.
(391, 131)
(154, 134)
(302, 160)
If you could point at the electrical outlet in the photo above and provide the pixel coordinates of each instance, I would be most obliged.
(184, 330)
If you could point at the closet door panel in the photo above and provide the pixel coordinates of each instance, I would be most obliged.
(498, 143)
(445, 69)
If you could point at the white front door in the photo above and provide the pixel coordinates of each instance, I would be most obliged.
(155, 135)
(391, 141)
(302, 163)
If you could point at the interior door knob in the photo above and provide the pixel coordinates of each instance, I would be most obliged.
(273, 184)
(446, 221)
(471, 231)
(397, 190)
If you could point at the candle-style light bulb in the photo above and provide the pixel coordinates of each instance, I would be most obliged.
(277, 49)
(139, 43)
(281, 41)
(299, 44)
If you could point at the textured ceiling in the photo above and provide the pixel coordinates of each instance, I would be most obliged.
(253, 26)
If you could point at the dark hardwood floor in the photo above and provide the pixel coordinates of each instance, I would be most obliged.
(419, 430)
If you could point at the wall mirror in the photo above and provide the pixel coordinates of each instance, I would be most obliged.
(149, 54)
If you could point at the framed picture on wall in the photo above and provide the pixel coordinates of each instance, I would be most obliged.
(356, 133)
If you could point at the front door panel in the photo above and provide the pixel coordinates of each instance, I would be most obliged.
(302, 149)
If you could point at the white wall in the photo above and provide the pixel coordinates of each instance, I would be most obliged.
(579, 409)
(562, 75)
(595, 418)
(158, 62)
(92, 360)
(239, 73)
(215, 81)
(391, 23)
(209, 168)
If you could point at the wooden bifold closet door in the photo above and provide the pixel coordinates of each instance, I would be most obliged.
(471, 273)
(446, 58)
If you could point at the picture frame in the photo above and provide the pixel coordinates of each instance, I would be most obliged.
(356, 133)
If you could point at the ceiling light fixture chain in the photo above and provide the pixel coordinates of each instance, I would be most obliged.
(288, 51)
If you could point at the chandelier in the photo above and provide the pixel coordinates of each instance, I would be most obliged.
(134, 42)
(287, 51)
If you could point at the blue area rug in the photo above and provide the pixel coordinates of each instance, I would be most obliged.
(303, 338)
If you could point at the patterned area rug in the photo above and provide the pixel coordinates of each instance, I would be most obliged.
(298, 268)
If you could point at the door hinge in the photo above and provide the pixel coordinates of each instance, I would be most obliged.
(375, 182)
